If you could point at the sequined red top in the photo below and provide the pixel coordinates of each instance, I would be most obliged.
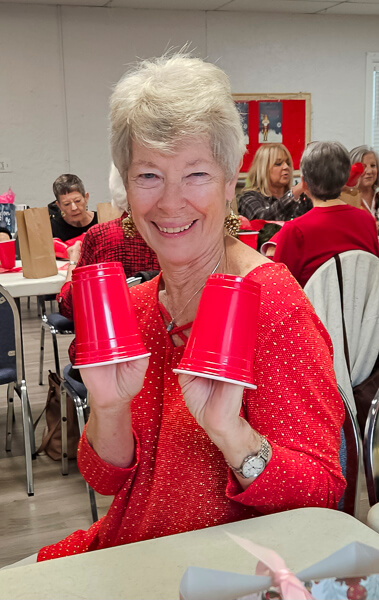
(106, 242)
(180, 481)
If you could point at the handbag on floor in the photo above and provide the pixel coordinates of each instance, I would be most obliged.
(51, 438)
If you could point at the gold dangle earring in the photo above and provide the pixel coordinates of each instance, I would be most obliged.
(128, 225)
(231, 222)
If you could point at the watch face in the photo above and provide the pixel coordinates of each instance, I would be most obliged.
(253, 467)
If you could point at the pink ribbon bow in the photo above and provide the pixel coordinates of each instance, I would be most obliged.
(272, 565)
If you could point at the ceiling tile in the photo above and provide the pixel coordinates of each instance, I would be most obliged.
(355, 8)
(168, 4)
(277, 6)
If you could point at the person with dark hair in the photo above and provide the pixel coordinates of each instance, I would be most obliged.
(332, 226)
(71, 218)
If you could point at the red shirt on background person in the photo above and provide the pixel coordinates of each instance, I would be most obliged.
(332, 226)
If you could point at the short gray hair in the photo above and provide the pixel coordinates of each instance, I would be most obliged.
(357, 154)
(164, 102)
(325, 168)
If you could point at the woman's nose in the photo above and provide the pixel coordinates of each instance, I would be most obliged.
(171, 196)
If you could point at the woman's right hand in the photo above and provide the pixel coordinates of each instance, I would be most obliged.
(109, 428)
(73, 252)
(112, 387)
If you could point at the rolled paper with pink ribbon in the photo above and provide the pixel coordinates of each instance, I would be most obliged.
(272, 565)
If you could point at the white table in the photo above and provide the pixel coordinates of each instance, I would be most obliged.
(18, 285)
(152, 570)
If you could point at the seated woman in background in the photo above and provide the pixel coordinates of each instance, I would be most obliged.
(184, 453)
(332, 226)
(368, 182)
(269, 195)
(107, 242)
(73, 217)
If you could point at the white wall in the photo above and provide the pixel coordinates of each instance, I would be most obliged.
(57, 67)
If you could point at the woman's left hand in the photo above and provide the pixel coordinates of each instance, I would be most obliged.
(214, 404)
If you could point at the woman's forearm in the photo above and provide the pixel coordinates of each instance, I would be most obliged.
(110, 434)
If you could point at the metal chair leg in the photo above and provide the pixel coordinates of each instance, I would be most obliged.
(10, 416)
(28, 439)
(41, 354)
(80, 414)
(92, 500)
(64, 430)
(56, 353)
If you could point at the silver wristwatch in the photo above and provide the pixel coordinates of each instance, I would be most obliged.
(254, 464)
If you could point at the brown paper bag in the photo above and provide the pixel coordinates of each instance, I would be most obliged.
(351, 196)
(36, 243)
(107, 212)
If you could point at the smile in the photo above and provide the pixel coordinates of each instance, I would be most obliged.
(175, 229)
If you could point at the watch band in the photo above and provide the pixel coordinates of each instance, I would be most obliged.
(263, 453)
(72, 262)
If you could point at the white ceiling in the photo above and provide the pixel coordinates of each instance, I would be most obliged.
(336, 7)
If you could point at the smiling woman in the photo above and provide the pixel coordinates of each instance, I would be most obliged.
(368, 182)
(183, 453)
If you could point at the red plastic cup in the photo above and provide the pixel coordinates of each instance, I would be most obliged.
(8, 254)
(355, 173)
(222, 340)
(249, 237)
(106, 328)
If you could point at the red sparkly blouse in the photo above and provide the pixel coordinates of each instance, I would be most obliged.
(180, 481)
(106, 242)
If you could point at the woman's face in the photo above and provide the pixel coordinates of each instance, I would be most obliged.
(178, 201)
(74, 206)
(280, 172)
(370, 173)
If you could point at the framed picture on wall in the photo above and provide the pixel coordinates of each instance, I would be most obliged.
(275, 118)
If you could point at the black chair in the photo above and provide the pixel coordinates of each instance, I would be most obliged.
(371, 451)
(351, 453)
(79, 395)
(57, 324)
(12, 372)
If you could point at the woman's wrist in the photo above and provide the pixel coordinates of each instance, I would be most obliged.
(237, 442)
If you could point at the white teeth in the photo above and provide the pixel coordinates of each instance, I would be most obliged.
(174, 229)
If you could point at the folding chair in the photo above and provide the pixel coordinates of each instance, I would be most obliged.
(57, 324)
(12, 373)
(79, 394)
(350, 460)
(371, 451)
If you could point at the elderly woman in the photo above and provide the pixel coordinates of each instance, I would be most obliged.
(368, 182)
(269, 194)
(183, 453)
(107, 242)
(332, 226)
(72, 218)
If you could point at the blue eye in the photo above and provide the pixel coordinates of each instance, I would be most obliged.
(148, 175)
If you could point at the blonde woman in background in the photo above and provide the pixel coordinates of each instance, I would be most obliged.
(368, 182)
(269, 195)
